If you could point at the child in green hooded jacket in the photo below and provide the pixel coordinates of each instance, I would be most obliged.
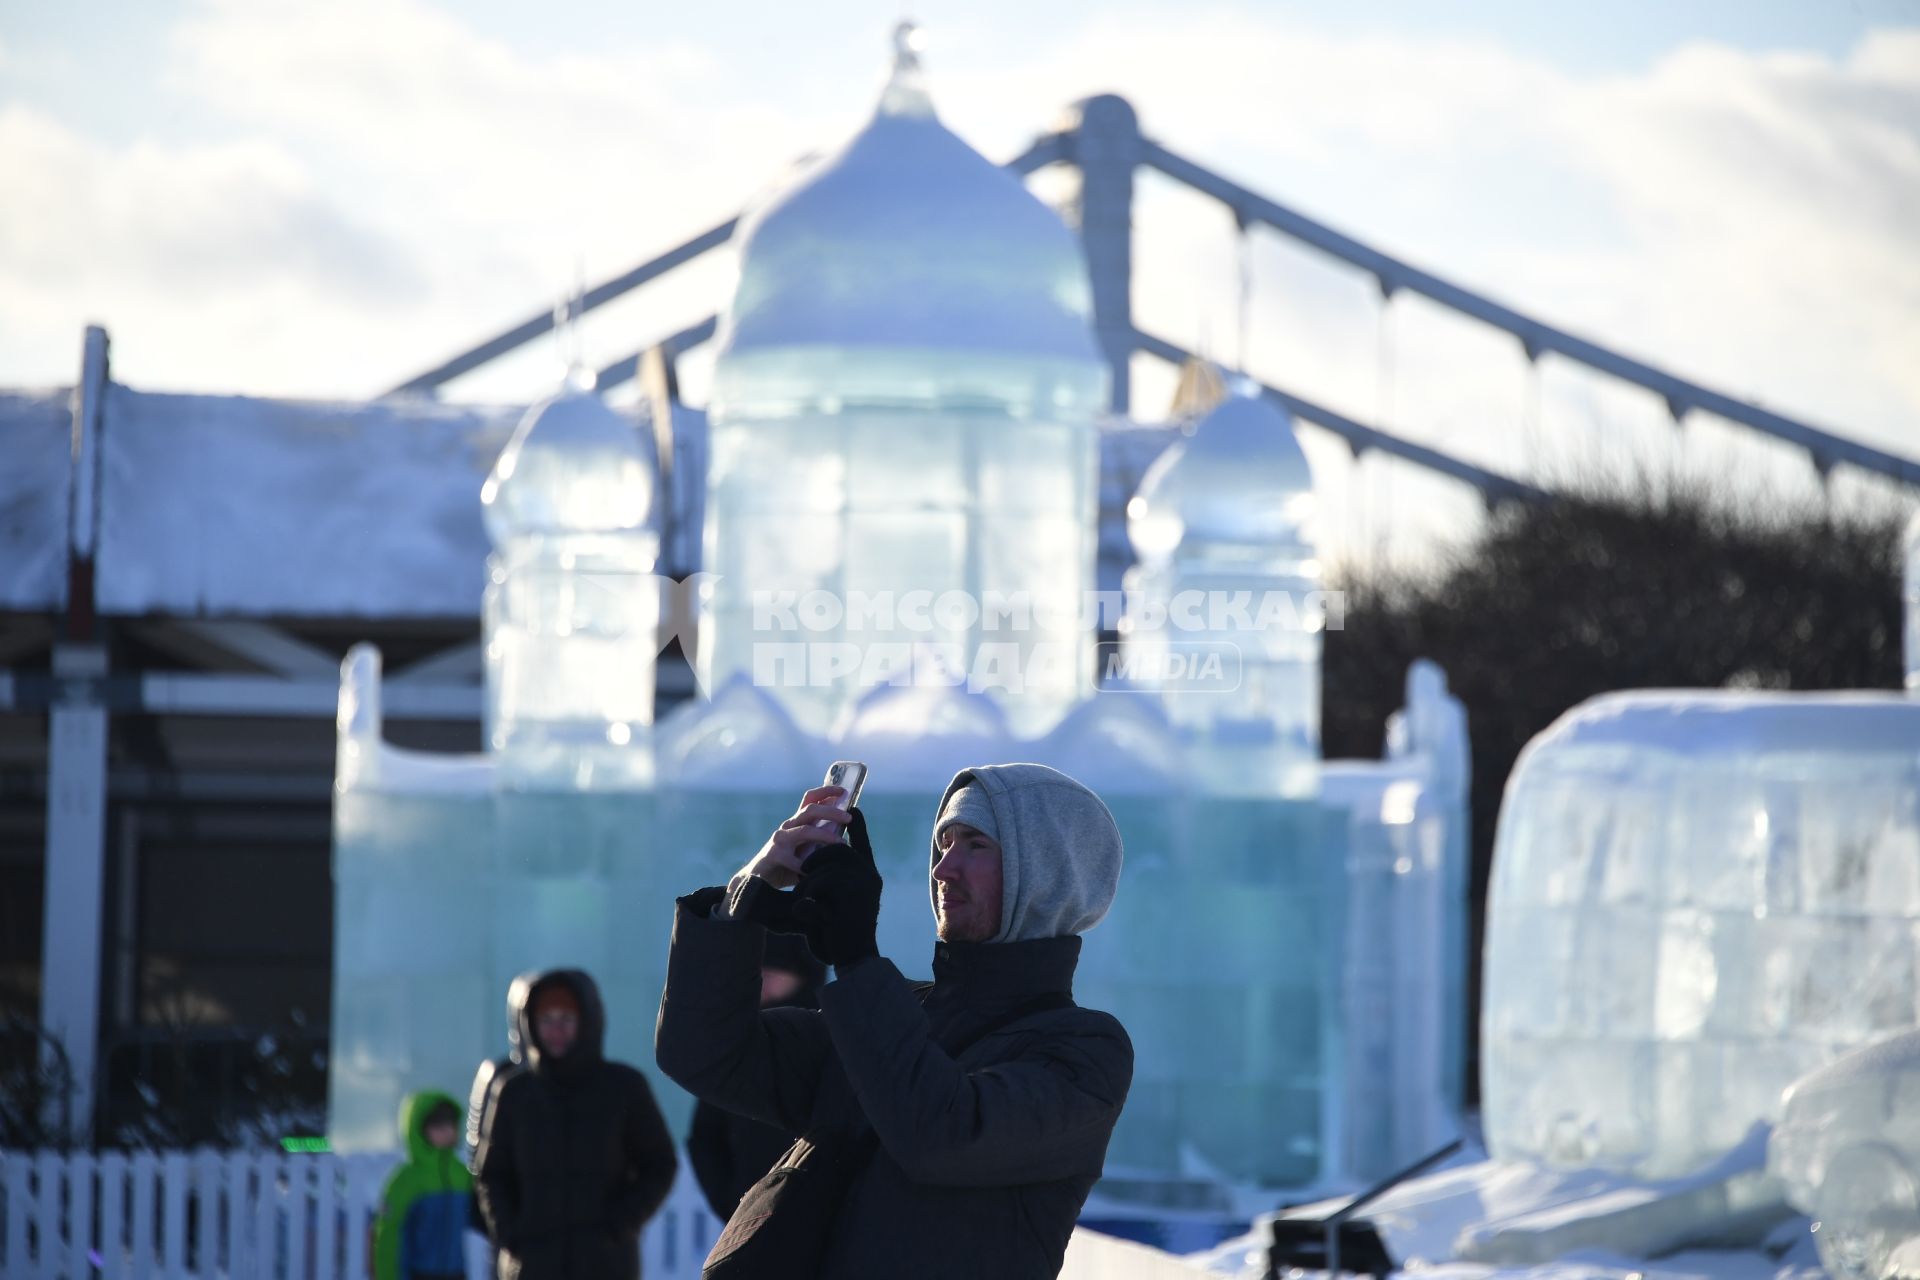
(421, 1232)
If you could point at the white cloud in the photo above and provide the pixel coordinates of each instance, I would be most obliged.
(189, 243)
(500, 169)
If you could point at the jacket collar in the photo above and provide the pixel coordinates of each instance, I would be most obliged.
(984, 974)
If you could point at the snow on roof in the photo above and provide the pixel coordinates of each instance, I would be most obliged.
(35, 488)
(215, 505)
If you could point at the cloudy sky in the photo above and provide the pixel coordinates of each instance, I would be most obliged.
(320, 200)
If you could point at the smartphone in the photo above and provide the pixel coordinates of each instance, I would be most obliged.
(850, 775)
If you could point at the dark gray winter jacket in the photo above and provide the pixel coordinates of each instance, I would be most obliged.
(983, 1163)
(983, 1159)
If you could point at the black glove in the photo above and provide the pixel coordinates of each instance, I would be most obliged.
(838, 898)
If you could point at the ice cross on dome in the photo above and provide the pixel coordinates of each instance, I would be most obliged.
(906, 92)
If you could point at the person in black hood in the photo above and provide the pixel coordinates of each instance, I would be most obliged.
(730, 1152)
(945, 1131)
(574, 1156)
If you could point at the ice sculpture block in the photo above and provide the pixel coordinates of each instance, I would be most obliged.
(1697, 897)
(1848, 1149)
(902, 410)
(1405, 853)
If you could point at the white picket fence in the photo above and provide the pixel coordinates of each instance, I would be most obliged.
(213, 1215)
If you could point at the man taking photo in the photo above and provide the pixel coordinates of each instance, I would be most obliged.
(950, 1129)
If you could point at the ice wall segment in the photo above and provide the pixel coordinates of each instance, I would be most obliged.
(1697, 898)
(1401, 824)
(413, 836)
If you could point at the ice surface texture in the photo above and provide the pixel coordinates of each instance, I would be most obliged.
(1696, 898)
(1848, 1150)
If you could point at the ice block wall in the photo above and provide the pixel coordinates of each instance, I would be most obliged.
(1223, 955)
(1696, 898)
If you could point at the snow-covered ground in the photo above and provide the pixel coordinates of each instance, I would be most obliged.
(1479, 1219)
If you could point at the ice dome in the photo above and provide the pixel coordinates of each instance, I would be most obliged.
(1238, 487)
(573, 466)
(907, 241)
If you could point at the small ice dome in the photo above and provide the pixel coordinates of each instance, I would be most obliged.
(906, 237)
(573, 466)
(1239, 482)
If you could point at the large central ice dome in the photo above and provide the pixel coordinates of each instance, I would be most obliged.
(902, 247)
(903, 411)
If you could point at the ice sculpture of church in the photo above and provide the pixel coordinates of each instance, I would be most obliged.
(903, 501)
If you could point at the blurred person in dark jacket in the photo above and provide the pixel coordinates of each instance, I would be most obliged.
(730, 1152)
(574, 1156)
(961, 1123)
(489, 1079)
(494, 1073)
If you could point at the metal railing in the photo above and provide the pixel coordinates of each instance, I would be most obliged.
(1121, 145)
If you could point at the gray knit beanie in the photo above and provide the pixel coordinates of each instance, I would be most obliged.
(968, 804)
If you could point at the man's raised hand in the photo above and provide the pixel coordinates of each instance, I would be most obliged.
(781, 857)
